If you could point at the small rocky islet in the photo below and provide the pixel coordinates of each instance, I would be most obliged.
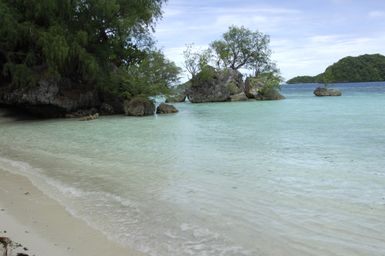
(324, 91)
(213, 85)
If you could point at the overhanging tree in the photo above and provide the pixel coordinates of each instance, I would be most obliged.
(80, 40)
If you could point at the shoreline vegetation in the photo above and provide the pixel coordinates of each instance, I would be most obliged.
(80, 58)
(38, 225)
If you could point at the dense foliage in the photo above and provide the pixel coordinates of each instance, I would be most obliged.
(85, 41)
(242, 48)
(364, 68)
(154, 74)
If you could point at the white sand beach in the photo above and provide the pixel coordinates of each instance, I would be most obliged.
(43, 227)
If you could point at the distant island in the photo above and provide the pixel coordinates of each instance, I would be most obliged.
(364, 68)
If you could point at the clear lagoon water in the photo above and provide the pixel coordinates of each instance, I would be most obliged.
(301, 176)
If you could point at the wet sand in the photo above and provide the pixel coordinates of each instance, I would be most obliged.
(43, 227)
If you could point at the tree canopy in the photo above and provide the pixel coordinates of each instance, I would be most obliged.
(85, 41)
(195, 60)
(242, 48)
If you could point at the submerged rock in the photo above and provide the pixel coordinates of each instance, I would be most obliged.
(323, 91)
(90, 117)
(82, 113)
(164, 108)
(139, 107)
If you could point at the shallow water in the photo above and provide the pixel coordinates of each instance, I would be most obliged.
(302, 176)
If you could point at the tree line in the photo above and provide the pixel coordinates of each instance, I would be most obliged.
(108, 44)
(364, 68)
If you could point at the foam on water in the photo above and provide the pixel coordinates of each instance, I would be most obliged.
(303, 176)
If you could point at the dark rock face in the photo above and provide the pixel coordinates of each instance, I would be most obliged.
(272, 94)
(322, 91)
(211, 85)
(50, 98)
(106, 109)
(166, 109)
(139, 107)
(111, 104)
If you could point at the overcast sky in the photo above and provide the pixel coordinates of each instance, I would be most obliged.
(306, 35)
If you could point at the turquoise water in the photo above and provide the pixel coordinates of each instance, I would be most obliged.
(302, 176)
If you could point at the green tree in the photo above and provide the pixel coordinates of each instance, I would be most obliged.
(242, 48)
(195, 60)
(85, 41)
(151, 76)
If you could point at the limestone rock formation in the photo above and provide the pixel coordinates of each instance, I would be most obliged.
(139, 107)
(164, 108)
(211, 85)
(252, 86)
(50, 98)
(323, 91)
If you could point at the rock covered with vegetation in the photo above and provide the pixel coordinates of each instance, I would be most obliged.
(164, 108)
(60, 56)
(239, 48)
(212, 85)
(324, 91)
(364, 68)
(252, 86)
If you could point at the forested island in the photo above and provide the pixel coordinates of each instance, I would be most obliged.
(364, 68)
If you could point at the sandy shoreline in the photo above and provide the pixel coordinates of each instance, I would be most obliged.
(44, 227)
